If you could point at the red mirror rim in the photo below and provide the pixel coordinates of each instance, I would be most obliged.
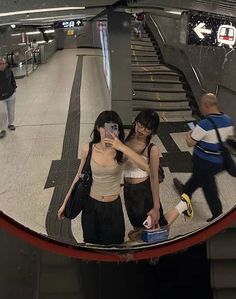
(184, 242)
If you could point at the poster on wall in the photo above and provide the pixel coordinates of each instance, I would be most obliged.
(207, 30)
(105, 51)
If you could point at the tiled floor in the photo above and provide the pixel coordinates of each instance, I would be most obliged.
(26, 155)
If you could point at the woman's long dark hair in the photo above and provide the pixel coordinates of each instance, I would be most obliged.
(108, 117)
(150, 120)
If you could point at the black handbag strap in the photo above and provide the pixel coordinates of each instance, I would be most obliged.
(149, 150)
(86, 166)
(217, 131)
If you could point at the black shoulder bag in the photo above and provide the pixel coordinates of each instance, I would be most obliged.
(161, 173)
(229, 163)
(81, 190)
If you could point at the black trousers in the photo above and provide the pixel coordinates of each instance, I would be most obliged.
(203, 176)
(103, 222)
(138, 202)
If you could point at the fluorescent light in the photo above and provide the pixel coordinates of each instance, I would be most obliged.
(13, 13)
(49, 31)
(33, 32)
(40, 42)
(175, 12)
(22, 44)
(16, 34)
(13, 26)
(42, 18)
(69, 17)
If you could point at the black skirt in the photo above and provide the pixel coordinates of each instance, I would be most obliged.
(103, 222)
(139, 201)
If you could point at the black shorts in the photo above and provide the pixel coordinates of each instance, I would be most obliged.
(138, 202)
(103, 222)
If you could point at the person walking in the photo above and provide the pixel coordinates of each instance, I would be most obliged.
(7, 98)
(138, 24)
(207, 158)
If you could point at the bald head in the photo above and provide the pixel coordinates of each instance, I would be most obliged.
(209, 104)
(210, 99)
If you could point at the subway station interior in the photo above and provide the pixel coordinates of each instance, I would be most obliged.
(71, 60)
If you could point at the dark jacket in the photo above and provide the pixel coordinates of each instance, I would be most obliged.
(7, 84)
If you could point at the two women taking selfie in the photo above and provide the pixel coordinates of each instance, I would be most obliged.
(102, 216)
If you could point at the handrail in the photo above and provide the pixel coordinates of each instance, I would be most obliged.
(181, 51)
(158, 29)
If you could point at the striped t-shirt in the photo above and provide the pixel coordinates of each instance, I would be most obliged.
(208, 146)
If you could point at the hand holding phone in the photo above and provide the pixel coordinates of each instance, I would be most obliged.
(111, 128)
(148, 222)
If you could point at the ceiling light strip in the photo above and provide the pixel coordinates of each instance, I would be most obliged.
(12, 13)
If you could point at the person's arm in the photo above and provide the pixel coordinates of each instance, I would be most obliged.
(189, 140)
(197, 134)
(154, 180)
(128, 152)
(84, 153)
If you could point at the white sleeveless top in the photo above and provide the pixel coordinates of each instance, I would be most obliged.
(131, 170)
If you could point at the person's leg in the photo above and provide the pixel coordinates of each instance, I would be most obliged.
(135, 28)
(3, 118)
(162, 220)
(183, 207)
(211, 194)
(11, 109)
(138, 202)
(89, 222)
(193, 182)
(111, 223)
(171, 216)
(140, 26)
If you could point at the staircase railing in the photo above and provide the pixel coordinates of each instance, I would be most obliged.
(190, 72)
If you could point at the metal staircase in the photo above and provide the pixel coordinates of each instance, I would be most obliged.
(156, 85)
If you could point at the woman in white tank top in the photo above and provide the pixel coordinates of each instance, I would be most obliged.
(141, 188)
(102, 216)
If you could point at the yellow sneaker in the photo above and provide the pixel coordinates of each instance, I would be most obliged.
(187, 200)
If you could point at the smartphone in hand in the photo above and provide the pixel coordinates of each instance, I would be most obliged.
(148, 222)
(111, 128)
(191, 125)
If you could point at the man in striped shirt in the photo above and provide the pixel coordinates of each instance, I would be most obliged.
(207, 158)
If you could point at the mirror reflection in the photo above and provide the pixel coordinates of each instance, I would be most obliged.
(117, 126)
